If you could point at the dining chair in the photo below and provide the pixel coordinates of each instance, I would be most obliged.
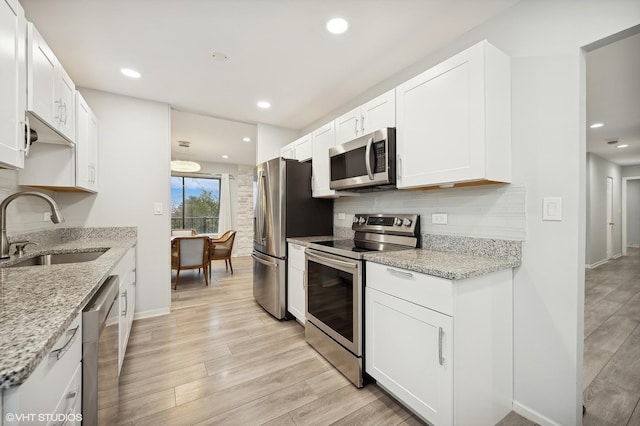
(220, 249)
(190, 253)
(183, 232)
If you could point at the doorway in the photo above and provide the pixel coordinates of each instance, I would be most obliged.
(610, 223)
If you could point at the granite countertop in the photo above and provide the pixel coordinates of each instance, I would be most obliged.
(37, 303)
(445, 263)
(452, 266)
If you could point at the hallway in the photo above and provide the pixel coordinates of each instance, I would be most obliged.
(611, 372)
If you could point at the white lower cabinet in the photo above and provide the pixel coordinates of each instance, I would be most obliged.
(53, 392)
(126, 271)
(442, 347)
(295, 285)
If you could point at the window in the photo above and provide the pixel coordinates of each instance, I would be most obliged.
(195, 204)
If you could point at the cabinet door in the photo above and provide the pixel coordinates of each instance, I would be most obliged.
(65, 92)
(379, 113)
(41, 77)
(83, 179)
(303, 148)
(295, 286)
(348, 126)
(409, 351)
(288, 151)
(12, 85)
(440, 118)
(323, 139)
(93, 151)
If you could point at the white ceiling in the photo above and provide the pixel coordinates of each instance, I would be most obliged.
(279, 51)
(613, 98)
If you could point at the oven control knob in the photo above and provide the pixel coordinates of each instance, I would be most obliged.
(397, 221)
(361, 220)
(407, 222)
(355, 219)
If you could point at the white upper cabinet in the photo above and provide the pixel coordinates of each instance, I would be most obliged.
(323, 139)
(454, 121)
(300, 149)
(373, 115)
(55, 166)
(12, 84)
(50, 91)
(86, 146)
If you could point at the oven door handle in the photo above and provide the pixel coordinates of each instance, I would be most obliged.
(332, 261)
(367, 158)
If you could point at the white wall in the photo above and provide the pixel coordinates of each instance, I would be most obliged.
(133, 174)
(544, 40)
(631, 171)
(633, 212)
(270, 140)
(598, 170)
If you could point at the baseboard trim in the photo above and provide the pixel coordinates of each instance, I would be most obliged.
(595, 265)
(533, 415)
(617, 256)
(152, 313)
(632, 245)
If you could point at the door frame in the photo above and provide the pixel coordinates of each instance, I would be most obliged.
(624, 211)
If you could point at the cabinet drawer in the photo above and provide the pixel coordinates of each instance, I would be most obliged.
(296, 256)
(46, 385)
(424, 290)
(69, 408)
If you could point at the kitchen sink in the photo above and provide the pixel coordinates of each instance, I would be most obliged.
(56, 259)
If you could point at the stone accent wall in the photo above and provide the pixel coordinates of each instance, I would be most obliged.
(243, 245)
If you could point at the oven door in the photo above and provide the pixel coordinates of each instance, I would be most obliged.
(334, 297)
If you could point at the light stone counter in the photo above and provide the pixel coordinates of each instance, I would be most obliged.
(452, 266)
(37, 303)
(449, 257)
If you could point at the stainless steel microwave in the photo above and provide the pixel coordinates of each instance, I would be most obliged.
(368, 161)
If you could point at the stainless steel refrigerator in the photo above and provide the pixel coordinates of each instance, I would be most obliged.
(283, 208)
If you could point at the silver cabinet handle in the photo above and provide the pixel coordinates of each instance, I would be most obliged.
(126, 303)
(362, 124)
(264, 262)
(440, 357)
(59, 353)
(399, 167)
(355, 127)
(367, 159)
(400, 273)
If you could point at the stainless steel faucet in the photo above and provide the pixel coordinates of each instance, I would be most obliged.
(56, 216)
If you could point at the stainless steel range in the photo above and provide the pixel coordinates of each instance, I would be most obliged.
(335, 286)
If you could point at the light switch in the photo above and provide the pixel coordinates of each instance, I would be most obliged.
(552, 208)
(157, 208)
(341, 216)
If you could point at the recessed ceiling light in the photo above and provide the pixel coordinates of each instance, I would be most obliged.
(596, 125)
(337, 25)
(622, 146)
(130, 73)
(246, 139)
(225, 156)
(263, 104)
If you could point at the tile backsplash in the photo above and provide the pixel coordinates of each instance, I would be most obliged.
(491, 211)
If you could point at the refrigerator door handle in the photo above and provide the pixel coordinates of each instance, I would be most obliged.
(264, 262)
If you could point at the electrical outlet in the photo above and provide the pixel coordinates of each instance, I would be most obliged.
(439, 218)
(46, 216)
(341, 216)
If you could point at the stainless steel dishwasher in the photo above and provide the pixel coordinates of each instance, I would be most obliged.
(100, 356)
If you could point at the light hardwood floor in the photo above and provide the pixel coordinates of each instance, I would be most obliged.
(611, 371)
(219, 359)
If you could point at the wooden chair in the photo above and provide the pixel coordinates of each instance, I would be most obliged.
(220, 249)
(183, 232)
(190, 253)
